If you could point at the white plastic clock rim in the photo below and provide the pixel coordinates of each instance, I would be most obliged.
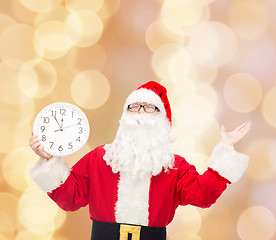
(64, 103)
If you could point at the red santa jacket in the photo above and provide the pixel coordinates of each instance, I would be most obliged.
(91, 181)
(151, 201)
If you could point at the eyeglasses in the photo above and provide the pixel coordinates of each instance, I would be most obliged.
(148, 108)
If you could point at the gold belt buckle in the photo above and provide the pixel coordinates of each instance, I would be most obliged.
(126, 229)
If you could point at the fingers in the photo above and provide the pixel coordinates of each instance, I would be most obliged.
(38, 147)
(240, 127)
(43, 153)
(33, 139)
(244, 129)
(237, 134)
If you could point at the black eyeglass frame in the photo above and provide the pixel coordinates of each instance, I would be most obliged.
(156, 109)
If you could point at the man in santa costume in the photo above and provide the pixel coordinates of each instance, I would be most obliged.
(134, 185)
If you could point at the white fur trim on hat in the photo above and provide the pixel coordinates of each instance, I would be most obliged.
(145, 95)
(50, 174)
(227, 162)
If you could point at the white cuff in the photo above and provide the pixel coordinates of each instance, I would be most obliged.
(50, 174)
(227, 162)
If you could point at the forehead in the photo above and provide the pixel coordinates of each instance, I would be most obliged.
(142, 103)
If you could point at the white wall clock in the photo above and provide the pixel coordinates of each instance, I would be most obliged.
(62, 128)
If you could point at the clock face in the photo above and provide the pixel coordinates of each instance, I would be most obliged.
(62, 128)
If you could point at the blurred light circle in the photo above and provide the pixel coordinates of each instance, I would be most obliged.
(5, 22)
(28, 81)
(16, 140)
(202, 2)
(14, 51)
(217, 47)
(184, 146)
(200, 161)
(272, 154)
(182, 12)
(256, 223)
(203, 73)
(161, 59)
(109, 9)
(243, 92)
(60, 14)
(3, 237)
(268, 107)
(6, 224)
(207, 140)
(260, 167)
(10, 92)
(186, 31)
(218, 219)
(83, 59)
(15, 167)
(8, 214)
(37, 78)
(38, 213)
(197, 103)
(32, 235)
(179, 64)
(185, 235)
(36, 207)
(208, 92)
(21, 13)
(39, 228)
(90, 89)
(83, 28)
(9, 115)
(40, 5)
(60, 218)
(158, 34)
(184, 87)
(264, 194)
(74, 5)
(195, 113)
(50, 40)
(249, 19)
(182, 223)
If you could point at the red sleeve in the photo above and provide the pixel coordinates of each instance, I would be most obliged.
(73, 193)
(195, 189)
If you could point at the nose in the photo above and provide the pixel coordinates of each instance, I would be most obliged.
(142, 110)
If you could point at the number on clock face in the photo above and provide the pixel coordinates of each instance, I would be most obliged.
(63, 128)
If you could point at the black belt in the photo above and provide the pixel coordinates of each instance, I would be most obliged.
(117, 231)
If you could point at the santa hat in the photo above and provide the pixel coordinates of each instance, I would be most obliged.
(152, 93)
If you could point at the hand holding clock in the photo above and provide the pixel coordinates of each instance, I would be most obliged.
(38, 147)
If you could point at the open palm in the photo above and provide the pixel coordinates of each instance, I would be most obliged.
(235, 136)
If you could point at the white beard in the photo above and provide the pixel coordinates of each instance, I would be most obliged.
(142, 145)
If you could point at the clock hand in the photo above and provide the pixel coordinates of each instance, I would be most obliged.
(66, 127)
(61, 122)
(57, 122)
(70, 125)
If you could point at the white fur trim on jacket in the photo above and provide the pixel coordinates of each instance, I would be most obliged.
(227, 162)
(133, 200)
(145, 95)
(50, 174)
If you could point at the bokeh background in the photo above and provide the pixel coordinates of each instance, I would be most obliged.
(217, 60)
